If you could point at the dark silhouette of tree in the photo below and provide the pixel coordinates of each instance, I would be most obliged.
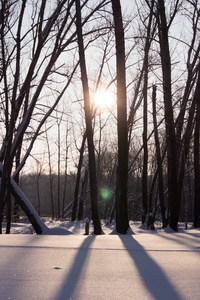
(197, 157)
(145, 114)
(174, 205)
(122, 223)
(78, 178)
(159, 160)
(88, 119)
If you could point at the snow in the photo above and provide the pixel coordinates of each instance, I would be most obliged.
(66, 264)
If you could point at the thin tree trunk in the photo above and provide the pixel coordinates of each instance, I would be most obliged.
(82, 194)
(50, 175)
(186, 143)
(8, 214)
(78, 177)
(145, 119)
(16, 206)
(159, 160)
(196, 161)
(58, 182)
(174, 205)
(88, 119)
(65, 176)
(145, 146)
(38, 192)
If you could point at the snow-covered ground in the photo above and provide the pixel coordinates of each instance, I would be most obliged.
(66, 226)
(140, 265)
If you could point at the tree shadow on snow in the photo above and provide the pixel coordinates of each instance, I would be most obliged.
(195, 235)
(71, 282)
(152, 275)
(180, 238)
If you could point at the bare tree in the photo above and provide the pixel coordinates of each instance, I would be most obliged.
(78, 178)
(145, 114)
(159, 161)
(18, 93)
(196, 158)
(174, 204)
(50, 171)
(66, 169)
(122, 223)
(88, 119)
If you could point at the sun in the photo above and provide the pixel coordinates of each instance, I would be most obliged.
(103, 99)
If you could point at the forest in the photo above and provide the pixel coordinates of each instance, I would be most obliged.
(100, 111)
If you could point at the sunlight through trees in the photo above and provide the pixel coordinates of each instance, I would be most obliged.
(100, 111)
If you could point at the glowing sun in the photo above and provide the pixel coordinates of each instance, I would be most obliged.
(103, 99)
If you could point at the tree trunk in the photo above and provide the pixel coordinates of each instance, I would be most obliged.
(159, 160)
(88, 119)
(184, 150)
(78, 177)
(38, 193)
(145, 145)
(82, 194)
(174, 205)
(122, 223)
(50, 174)
(196, 160)
(58, 182)
(16, 206)
(65, 176)
(145, 118)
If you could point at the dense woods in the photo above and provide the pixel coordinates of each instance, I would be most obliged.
(134, 154)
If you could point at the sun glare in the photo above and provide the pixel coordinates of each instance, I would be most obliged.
(103, 99)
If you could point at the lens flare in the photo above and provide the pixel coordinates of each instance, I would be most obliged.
(106, 193)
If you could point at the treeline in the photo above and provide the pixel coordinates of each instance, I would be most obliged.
(43, 194)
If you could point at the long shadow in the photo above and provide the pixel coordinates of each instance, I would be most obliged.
(196, 235)
(152, 275)
(180, 239)
(74, 274)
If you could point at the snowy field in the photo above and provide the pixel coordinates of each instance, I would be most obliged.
(140, 265)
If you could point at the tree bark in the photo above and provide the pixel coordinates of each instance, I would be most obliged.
(82, 194)
(196, 159)
(159, 160)
(174, 205)
(88, 119)
(122, 223)
(78, 177)
(145, 118)
(145, 145)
